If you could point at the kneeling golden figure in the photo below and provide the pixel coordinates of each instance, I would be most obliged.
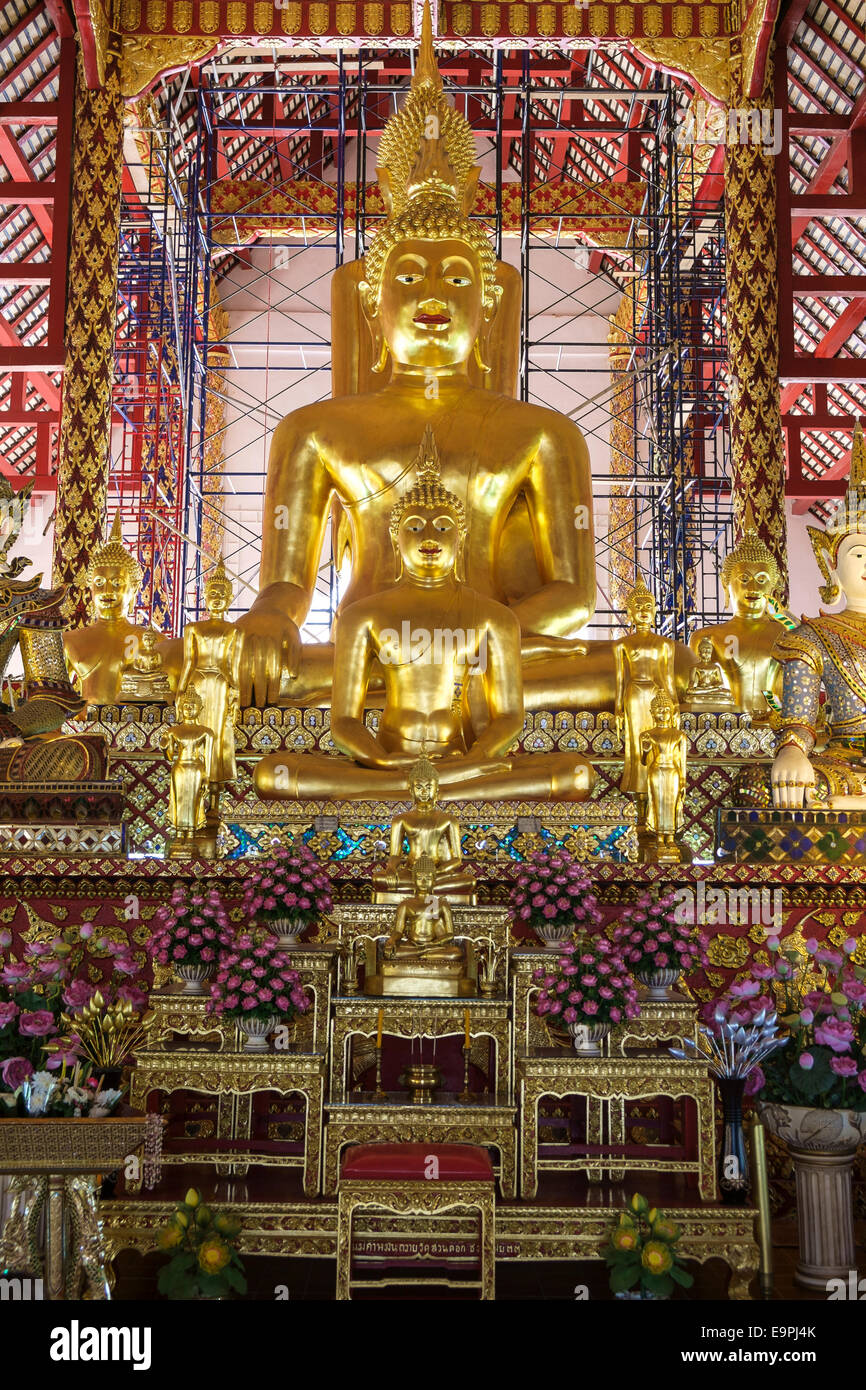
(427, 831)
(429, 633)
(421, 956)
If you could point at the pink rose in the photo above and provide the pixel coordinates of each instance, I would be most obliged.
(38, 1024)
(14, 1071)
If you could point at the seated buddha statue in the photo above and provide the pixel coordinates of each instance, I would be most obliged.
(743, 646)
(429, 633)
(144, 678)
(421, 955)
(429, 300)
(100, 651)
(427, 831)
(829, 653)
(708, 687)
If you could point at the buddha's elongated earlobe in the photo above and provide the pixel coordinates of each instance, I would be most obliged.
(382, 361)
(481, 364)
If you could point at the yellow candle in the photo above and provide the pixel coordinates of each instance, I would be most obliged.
(379, 1027)
(466, 1027)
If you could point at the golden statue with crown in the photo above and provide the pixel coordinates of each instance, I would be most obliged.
(425, 332)
(830, 652)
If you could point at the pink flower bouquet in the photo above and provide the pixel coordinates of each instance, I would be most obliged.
(589, 983)
(292, 886)
(650, 937)
(552, 894)
(256, 980)
(191, 928)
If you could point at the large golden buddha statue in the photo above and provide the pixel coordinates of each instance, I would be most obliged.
(743, 646)
(429, 300)
(830, 652)
(429, 634)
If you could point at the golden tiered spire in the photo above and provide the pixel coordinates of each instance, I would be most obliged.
(429, 490)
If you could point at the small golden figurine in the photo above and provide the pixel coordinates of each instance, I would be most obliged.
(98, 652)
(429, 832)
(743, 646)
(188, 746)
(210, 656)
(421, 955)
(664, 750)
(145, 677)
(708, 684)
(644, 664)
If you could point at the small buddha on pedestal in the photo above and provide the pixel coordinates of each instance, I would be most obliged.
(708, 685)
(145, 677)
(428, 831)
(421, 956)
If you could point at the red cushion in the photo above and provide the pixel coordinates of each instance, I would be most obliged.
(411, 1162)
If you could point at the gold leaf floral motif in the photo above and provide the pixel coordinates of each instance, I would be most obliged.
(291, 17)
(731, 952)
(462, 19)
(236, 17)
(518, 20)
(490, 19)
(345, 19)
(546, 20)
(598, 20)
(709, 22)
(572, 21)
(156, 10)
(181, 16)
(263, 16)
(681, 22)
(130, 14)
(401, 19)
(209, 16)
(653, 20)
(374, 18)
(624, 20)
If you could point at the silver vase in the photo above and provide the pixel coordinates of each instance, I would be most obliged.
(587, 1038)
(194, 975)
(287, 930)
(256, 1032)
(553, 935)
(659, 984)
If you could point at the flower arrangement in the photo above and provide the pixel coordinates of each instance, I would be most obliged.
(589, 983)
(42, 995)
(642, 1253)
(650, 937)
(822, 1003)
(256, 980)
(191, 928)
(293, 884)
(552, 894)
(44, 1093)
(205, 1262)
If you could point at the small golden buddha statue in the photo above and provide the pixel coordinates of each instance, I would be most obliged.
(428, 832)
(421, 955)
(743, 646)
(429, 633)
(830, 652)
(708, 685)
(187, 745)
(210, 657)
(145, 678)
(644, 665)
(664, 750)
(430, 300)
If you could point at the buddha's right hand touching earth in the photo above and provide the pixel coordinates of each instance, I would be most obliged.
(271, 644)
(792, 774)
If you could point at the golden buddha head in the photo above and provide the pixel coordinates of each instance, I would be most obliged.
(113, 576)
(424, 873)
(750, 574)
(706, 652)
(430, 290)
(189, 705)
(661, 709)
(423, 782)
(640, 605)
(218, 591)
(840, 548)
(428, 524)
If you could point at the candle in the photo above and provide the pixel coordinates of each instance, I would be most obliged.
(465, 1027)
(379, 1022)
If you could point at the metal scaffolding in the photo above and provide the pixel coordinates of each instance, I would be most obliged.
(193, 428)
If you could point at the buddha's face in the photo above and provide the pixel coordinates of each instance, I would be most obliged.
(188, 708)
(424, 791)
(662, 715)
(430, 305)
(850, 571)
(424, 884)
(428, 541)
(705, 650)
(217, 596)
(749, 588)
(111, 591)
(643, 614)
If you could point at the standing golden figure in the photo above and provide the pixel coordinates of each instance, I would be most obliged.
(188, 746)
(644, 663)
(428, 831)
(430, 634)
(664, 750)
(429, 303)
(210, 660)
(830, 652)
(98, 652)
(743, 646)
